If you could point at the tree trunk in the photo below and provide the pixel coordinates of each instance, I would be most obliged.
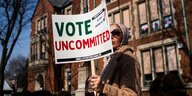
(1, 82)
(14, 14)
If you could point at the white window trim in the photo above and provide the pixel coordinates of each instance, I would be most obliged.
(110, 2)
(67, 8)
(82, 7)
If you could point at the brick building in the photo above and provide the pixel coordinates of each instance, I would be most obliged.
(158, 37)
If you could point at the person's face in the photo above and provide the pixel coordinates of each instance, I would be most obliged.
(116, 36)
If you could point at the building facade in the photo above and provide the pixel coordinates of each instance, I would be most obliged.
(159, 37)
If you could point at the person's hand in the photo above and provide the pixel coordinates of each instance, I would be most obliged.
(96, 83)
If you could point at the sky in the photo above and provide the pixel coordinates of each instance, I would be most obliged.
(23, 44)
(22, 47)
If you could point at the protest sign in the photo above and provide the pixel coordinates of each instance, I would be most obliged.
(82, 37)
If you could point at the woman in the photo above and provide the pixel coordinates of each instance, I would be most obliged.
(121, 75)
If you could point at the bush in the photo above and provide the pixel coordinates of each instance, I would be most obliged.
(41, 93)
(24, 93)
(64, 93)
(167, 85)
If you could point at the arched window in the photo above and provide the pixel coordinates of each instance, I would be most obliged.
(40, 80)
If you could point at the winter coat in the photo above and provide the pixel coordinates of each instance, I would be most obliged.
(121, 77)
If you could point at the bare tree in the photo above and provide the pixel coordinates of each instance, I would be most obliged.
(14, 18)
(17, 70)
(14, 66)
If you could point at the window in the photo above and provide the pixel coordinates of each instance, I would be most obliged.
(110, 19)
(153, 9)
(171, 58)
(43, 52)
(32, 52)
(154, 64)
(40, 81)
(68, 79)
(68, 10)
(155, 25)
(42, 24)
(147, 67)
(45, 21)
(167, 15)
(34, 49)
(122, 16)
(143, 18)
(154, 15)
(126, 18)
(166, 7)
(85, 6)
(108, 1)
(117, 17)
(158, 61)
(168, 23)
(39, 25)
(37, 43)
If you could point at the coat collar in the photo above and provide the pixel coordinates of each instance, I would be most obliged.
(124, 48)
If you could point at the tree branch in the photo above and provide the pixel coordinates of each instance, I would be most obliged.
(11, 24)
(7, 10)
(17, 35)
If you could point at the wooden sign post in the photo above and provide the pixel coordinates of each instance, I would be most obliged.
(93, 72)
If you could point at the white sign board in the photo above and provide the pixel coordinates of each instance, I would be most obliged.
(82, 37)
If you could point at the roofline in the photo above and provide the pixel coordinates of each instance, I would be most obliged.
(35, 10)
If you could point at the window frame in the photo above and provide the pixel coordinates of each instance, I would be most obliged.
(42, 24)
(43, 50)
(154, 74)
(151, 65)
(138, 16)
(36, 40)
(109, 1)
(123, 21)
(161, 18)
(66, 10)
(120, 9)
